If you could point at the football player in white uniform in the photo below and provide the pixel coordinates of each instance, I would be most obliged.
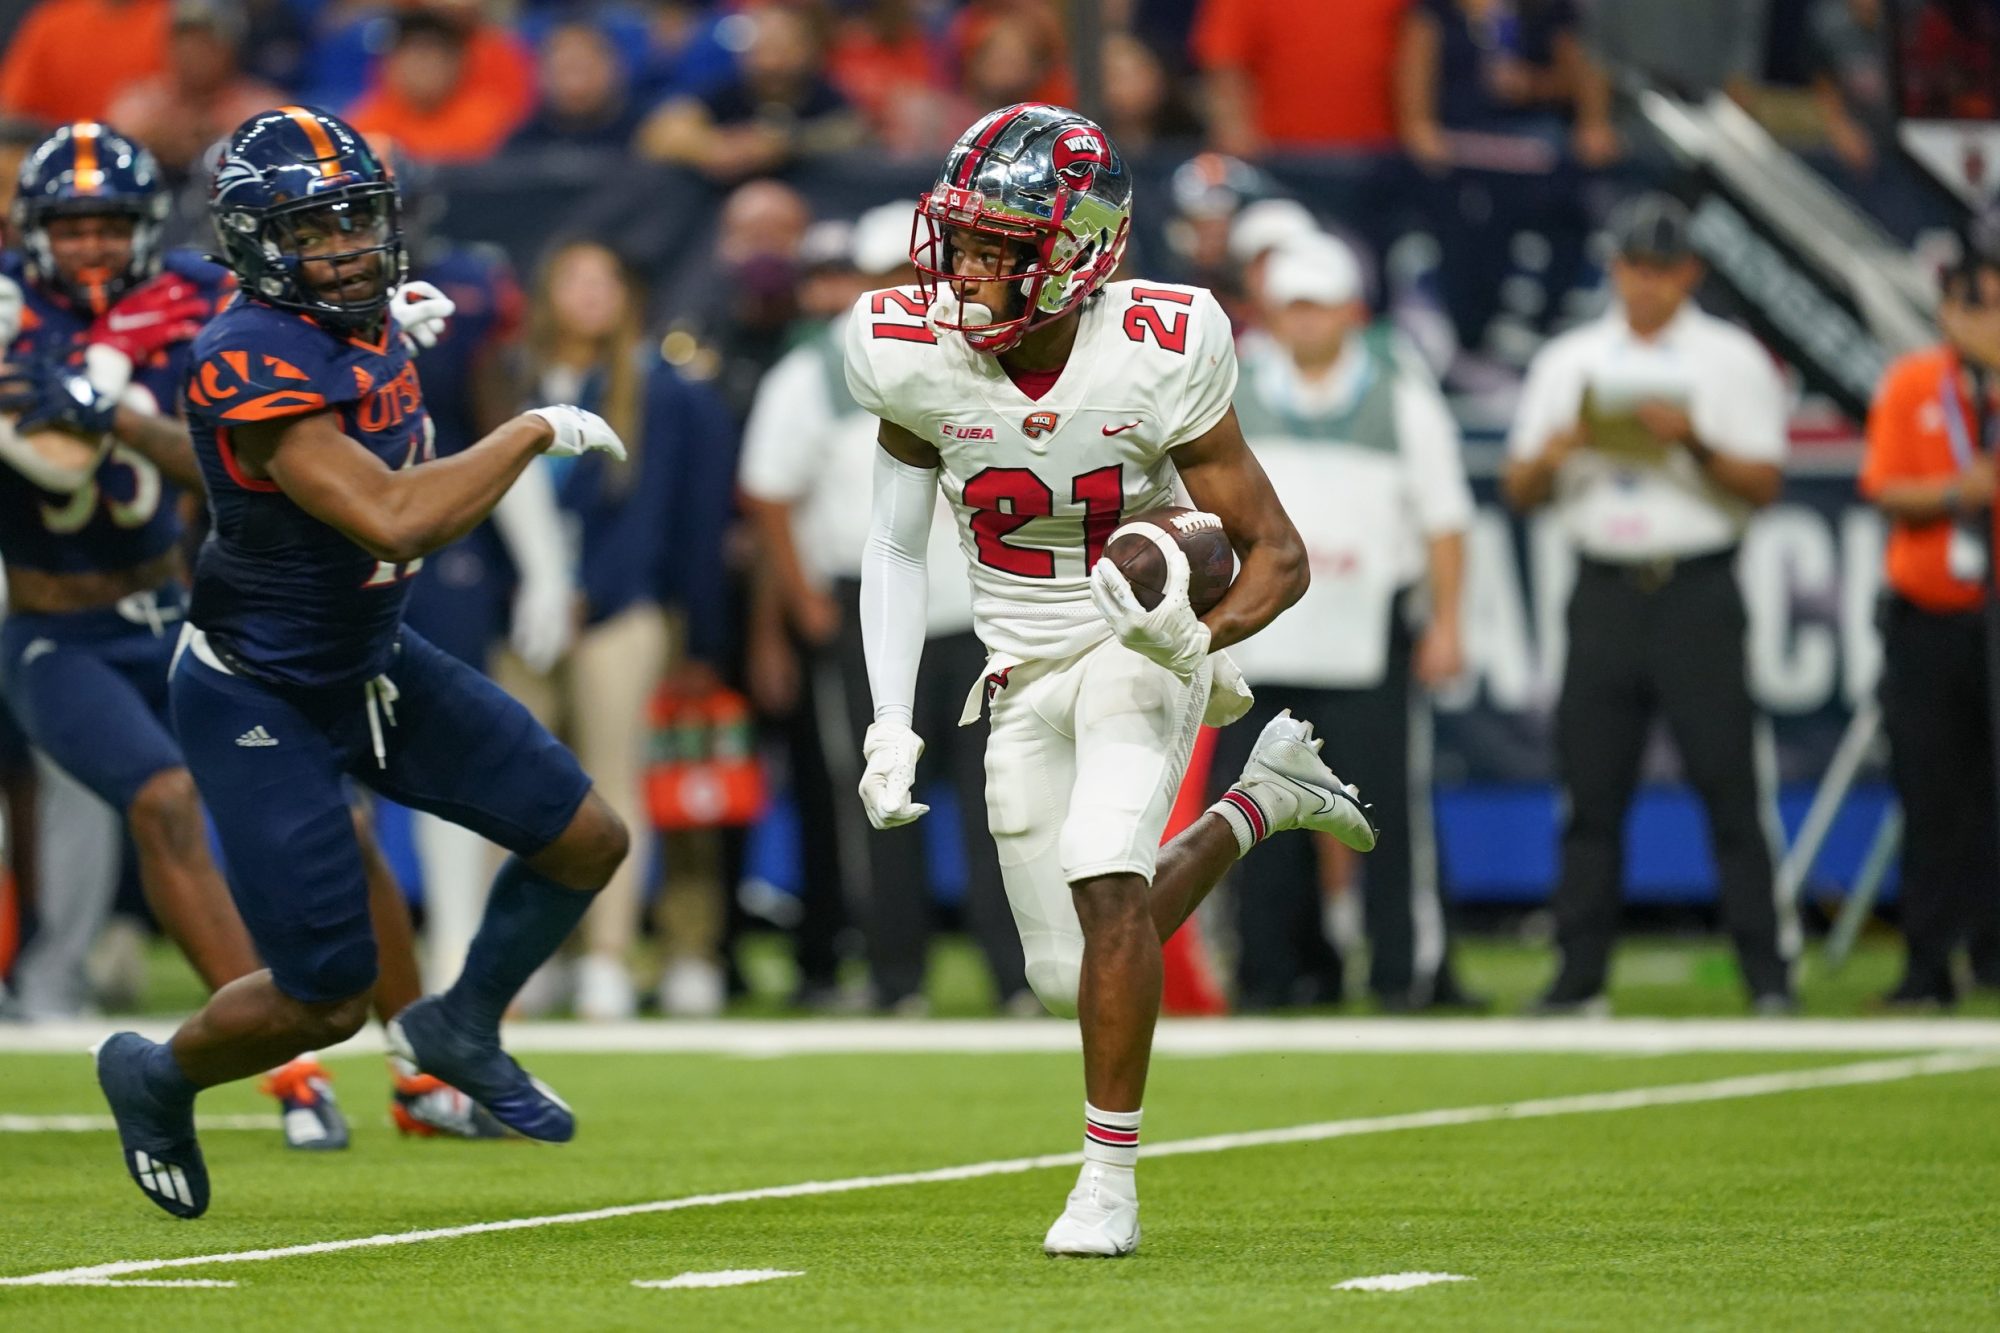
(1050, 403)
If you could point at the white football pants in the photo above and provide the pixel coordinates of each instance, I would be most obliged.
(1082, 766)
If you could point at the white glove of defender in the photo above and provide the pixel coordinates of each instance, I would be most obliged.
(578, 432)
(543, 623)
(12, 303)
(891, 750)
(420, 311)
(1169, 633)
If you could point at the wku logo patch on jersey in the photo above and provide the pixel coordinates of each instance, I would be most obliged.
(1039, 424)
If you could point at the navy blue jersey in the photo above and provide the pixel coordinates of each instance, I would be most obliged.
(126, 515)
(289, 599)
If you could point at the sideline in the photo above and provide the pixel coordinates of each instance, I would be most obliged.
(764, 1038)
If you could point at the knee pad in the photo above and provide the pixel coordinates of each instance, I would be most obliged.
(1054, 970)
(344, 971)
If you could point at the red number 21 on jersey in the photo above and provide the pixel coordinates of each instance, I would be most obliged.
(1008, 498)
(1166, 328)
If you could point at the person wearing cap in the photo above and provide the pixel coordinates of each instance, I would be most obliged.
(1929, 469)
(1654, 433)
(202, 94)
(806, 478)
(1360, 447)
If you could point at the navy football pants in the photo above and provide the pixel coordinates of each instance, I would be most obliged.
(270, 763)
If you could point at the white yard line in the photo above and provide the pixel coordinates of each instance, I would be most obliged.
(93, 1124)
(1676, 1094)
(1398, 1281)
(1185, 1036)
(728, 1277)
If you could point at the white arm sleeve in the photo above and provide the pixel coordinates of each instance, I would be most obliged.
(531, 527)
(894, 583)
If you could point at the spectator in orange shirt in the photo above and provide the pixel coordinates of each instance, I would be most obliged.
(69, 57)
(451, 89)
(1930, 469)
(1290, 76)
(884, 62)
(201, 95)
(989, 34)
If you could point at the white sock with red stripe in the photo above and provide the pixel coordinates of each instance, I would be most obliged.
(1110, 1138)
(1249, 815)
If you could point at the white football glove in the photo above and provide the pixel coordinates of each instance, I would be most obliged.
(891, 750)
(578, 432)
(1169, 633)
(1229, 695)
(11, 305)
(420, 311)
(543, 624)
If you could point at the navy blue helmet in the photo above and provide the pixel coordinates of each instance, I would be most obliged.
(89, 170)
(296, 185)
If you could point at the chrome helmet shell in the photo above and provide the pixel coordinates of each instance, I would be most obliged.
(1044, 179)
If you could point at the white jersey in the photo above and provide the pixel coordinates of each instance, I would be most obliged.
(1038, 486)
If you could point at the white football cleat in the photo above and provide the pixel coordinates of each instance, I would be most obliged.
(1292, 788)
(1101, 1220)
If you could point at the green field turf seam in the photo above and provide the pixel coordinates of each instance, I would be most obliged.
(1716, 1090)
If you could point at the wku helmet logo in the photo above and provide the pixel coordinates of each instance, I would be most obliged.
(1080, 151)
(1039, 424)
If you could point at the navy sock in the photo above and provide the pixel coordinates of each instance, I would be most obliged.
(528, 916)
(164, 1078)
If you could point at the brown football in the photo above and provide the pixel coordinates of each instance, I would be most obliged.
(1211, 563)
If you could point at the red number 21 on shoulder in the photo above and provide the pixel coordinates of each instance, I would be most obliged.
(1166, 328)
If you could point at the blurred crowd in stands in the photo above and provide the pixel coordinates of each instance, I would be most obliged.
(1502, 118)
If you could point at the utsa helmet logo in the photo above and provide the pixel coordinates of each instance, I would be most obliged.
(1079, 154)
(1039, 424)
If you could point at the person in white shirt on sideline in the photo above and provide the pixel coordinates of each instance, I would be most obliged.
(807, 482)
(1656, 432)
(1361, 448)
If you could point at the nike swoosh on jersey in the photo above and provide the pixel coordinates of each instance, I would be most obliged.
(1120, 430)
(118, 323)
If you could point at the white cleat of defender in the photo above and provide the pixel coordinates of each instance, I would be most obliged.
(1295, 789)
(1101, 1220)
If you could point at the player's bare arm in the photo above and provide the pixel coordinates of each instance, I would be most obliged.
(393, 514)
(906, 448)
(1224, 478)
(162, 441)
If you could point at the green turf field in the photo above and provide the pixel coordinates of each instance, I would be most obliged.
(1863, 1206)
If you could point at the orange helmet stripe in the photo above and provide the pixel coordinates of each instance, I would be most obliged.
(89, 176)
(316, 135)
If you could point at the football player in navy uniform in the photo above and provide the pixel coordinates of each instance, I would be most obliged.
(89, 529)
(294, 670)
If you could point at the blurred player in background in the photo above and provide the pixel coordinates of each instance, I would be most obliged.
(92, 526)
(1049, 402)
(293, 671)
(510, 580)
